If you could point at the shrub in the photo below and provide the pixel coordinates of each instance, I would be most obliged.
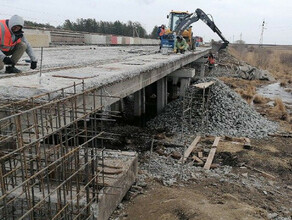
(247, 93)
(258, 99)
(262, 57)
(279, 105)
(283, 83)
(286, 59)
(279, 110)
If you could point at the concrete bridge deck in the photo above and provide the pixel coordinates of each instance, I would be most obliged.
(128, 68)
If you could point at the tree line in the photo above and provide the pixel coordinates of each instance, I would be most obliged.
(132, 29)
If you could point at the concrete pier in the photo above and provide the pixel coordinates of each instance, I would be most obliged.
(161, 94)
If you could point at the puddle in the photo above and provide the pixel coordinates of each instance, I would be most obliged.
(275, 90)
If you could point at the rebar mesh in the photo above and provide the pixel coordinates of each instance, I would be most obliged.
(51, 154)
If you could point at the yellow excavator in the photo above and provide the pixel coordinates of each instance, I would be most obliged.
(174, 18)
(179, 24)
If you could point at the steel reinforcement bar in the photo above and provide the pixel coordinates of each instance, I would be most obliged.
(51, 155)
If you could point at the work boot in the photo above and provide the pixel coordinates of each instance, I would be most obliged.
(12, 69)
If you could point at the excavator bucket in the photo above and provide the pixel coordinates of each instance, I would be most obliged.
(217, 46)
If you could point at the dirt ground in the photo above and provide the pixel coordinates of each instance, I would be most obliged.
(210, 198)
(260, 185)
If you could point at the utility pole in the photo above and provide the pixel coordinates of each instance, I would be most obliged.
(135, 31)
(262, 34)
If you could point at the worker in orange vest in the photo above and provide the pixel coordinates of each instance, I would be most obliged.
(211, 61)
(160, 33)
(13, 44)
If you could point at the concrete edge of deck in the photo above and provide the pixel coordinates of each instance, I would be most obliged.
(142, 79)
(110, 197)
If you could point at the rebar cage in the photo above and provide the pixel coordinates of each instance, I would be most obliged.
(52, 154)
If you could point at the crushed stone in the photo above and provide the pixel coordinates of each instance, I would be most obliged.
(228, 114)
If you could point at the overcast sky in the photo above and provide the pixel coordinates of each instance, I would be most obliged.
(234, 18)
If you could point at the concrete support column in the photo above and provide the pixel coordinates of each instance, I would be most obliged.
(138, 103)
(173, 90)
(202, 71)
(115, 106)
(161, 94)
(143, 98)
(184, 84)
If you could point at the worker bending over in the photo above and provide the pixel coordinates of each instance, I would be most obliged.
(13, 43)
(211, 61)
(180, 45)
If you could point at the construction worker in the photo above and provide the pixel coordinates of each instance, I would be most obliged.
(160, 33)
(13, 44)
(180, 45)
(211, 61)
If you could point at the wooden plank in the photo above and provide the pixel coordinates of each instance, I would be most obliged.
(216, 142)
(197, 159)
(247, 143)
(285, 135)
(190, 149)
(204, 85)
(200, 154)
(210, 158)
(212, 153)
(270, 176)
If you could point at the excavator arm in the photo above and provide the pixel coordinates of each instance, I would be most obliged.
(194, 17)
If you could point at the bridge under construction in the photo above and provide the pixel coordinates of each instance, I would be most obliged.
(54, 164)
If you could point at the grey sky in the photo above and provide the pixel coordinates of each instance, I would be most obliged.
(233, 17)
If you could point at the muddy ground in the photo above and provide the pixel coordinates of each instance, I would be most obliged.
(247, 182)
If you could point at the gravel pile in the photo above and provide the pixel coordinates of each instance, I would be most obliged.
(167, 169)
(228, 114)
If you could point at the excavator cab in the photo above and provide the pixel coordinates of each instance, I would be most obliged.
(174, 18)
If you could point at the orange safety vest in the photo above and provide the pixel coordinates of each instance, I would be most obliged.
(211, 60)
(162, 32)
(6, 43)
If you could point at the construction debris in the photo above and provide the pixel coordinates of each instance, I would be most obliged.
(252, 73)
(228, 65)
(191, 148)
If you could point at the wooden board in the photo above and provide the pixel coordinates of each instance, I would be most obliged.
(190, 149)
(204, 85)
(200, 154)
(210, 158)
(262, 172)
(216, 142)
(197, 159)
(247, 142)
(212, 154)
